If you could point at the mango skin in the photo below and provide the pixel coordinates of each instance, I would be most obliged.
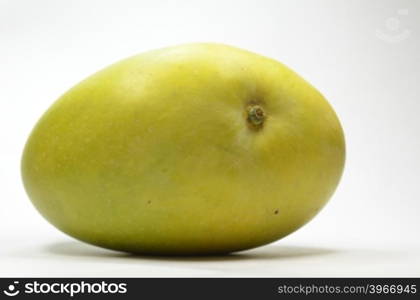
(155, 155)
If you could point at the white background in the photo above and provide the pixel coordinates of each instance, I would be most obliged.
(364, 56)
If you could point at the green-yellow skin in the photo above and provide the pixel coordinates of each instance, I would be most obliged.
(187, 150)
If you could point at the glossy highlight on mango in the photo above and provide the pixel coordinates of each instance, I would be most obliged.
(187, 150)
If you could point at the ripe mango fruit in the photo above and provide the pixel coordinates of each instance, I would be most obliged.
(188, 150)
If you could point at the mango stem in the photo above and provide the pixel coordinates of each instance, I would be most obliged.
(256, 115)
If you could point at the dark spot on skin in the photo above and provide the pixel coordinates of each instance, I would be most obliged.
(148, 202)
(276, 212)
